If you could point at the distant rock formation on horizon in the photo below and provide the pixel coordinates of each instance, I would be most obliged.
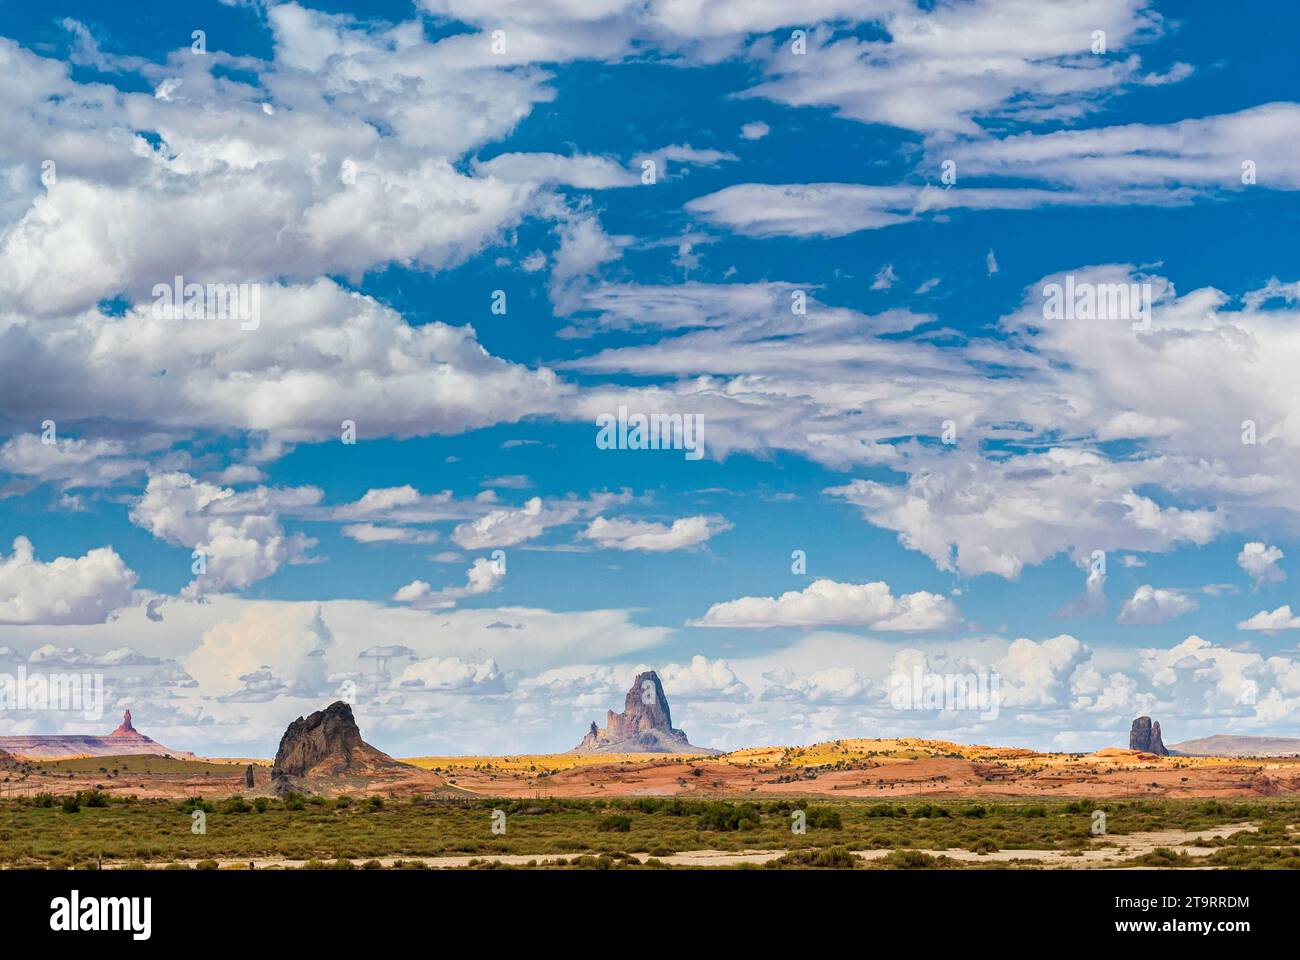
(125, 729)
(644, 726)
(124, 741)
(324, 753)
(1226, 745)
(1144, 735)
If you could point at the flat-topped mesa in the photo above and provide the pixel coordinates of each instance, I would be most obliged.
(1144, 735)
(644, 726)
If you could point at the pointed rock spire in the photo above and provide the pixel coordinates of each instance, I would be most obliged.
(124, 729)
(644, 726)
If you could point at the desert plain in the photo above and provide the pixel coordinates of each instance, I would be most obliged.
(852, 803)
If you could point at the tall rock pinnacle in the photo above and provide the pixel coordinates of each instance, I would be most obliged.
(644, 726)
(124, 729)
(1144, 735)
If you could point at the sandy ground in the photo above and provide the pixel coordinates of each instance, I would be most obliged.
(214, 780)
(864, 769)
(890, 777)
(1098, 855)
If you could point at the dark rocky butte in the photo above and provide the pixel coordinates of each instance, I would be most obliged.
(644, 726)
(326, 745)
(1144, 735)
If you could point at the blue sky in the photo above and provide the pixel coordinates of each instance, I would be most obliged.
(380, 175)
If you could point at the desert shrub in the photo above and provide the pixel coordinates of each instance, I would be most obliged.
(601, 862)
(929, 811)
(824, 818)
(977, 812)
(885, 810)
(984, 845)
(729, 816)
(235, 804)
(206, 865)
(372, 865)
(833, 858)
(1267, 858)
(1163, 857)
(71, 804)
(614, 823)
(294, 801)
(910, 860)
(43, 800)
(261, 804)
(343, 802)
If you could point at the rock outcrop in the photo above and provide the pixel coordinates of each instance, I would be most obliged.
(1144, 735)
(124, 741)
(125, 729)
(248, 777)
(324, 753)
(644, 726)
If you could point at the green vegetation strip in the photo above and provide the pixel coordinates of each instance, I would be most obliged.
(83, 829)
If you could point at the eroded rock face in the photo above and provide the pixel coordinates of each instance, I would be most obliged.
(644, 726)
(324, 754)
(248, 777)
(326, 746)
(327, 737)
(124, 729)
(1144, 735)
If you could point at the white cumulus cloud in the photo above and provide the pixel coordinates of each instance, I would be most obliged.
(65, 590)
(827, 602)
(683, 534)
(1152, 605)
